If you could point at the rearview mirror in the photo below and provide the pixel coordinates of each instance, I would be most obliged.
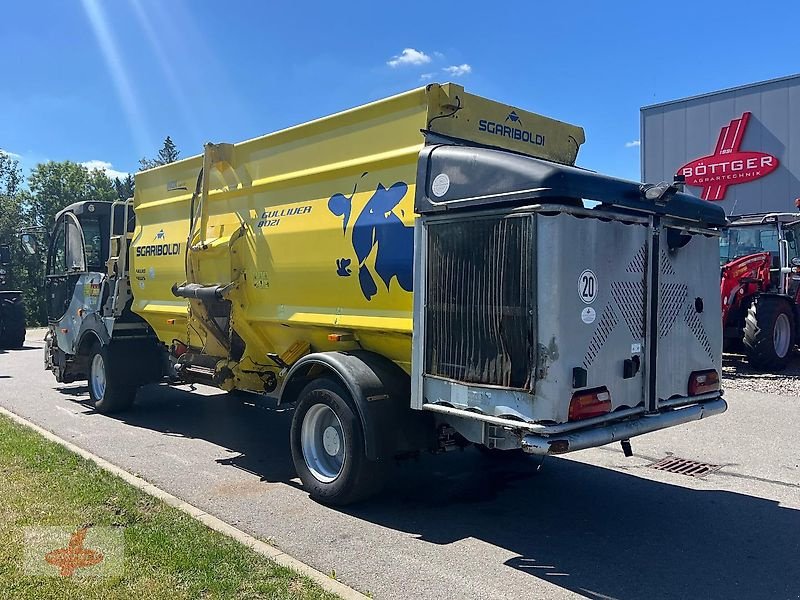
(28, 243)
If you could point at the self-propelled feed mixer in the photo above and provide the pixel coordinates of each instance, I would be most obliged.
(424, 272)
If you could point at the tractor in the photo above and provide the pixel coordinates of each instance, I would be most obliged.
(760, 287)
(12, 309)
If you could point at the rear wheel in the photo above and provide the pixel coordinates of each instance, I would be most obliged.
(12, 327)
(327, 445)
(768, 333)
(107, 392)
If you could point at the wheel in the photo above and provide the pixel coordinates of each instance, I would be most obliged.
(327, 445)
(107, 393)
(516, 456)
(12, 327)
(768, 333)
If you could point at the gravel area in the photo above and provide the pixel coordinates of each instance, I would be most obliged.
(737, 374)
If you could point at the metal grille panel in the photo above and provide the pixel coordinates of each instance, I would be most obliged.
(637, 265)
(695, 323)
(479, 310)
(629, 296)
(666, 264)
(604, 328)
(673, 297)
(683, 466)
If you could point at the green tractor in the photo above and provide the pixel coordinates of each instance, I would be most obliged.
(12, 309)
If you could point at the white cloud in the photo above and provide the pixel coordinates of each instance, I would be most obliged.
(409, 56)
(426, 76)
(633, 144)
(106, 167)
(10, 154)
(458, 70)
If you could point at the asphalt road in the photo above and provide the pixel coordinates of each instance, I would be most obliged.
(595, 524)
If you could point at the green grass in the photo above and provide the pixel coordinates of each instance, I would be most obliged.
(167, 553)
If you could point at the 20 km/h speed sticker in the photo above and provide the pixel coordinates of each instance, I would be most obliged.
(587, 286)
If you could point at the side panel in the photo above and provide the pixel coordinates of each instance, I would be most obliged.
(690, 321)
(592, 326)
(312, 225)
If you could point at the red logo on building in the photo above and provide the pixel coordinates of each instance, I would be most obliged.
(728, 166)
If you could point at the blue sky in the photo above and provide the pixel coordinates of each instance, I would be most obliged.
(106, 81)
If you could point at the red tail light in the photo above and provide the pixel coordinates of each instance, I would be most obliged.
(589, 403)
(702, 382)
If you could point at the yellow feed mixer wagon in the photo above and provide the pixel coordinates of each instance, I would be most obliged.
(423, 272)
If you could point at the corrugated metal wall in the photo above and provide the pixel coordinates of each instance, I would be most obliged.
(675, 133)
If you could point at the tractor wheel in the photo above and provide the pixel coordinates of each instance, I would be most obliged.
(106, 391)
(327, 443)
(12, 327)
(768, 333)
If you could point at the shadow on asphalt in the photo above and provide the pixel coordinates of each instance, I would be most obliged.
(598, 532)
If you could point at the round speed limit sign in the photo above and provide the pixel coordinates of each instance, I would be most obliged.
(587, 286)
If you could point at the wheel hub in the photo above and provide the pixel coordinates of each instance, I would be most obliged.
(97, 376)
(782, 335)
(331, 441)
(322, 442)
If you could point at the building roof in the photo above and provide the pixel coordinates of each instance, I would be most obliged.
(724, 91)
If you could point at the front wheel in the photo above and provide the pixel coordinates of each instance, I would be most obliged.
(107, 393)
(327, 445)
(768, 333)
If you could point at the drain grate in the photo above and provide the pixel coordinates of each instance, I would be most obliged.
(684, 466)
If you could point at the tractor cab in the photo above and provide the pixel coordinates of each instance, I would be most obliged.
(760, 287)
(778, 234)
(79, 246)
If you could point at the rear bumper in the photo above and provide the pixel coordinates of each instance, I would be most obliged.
(581, 439)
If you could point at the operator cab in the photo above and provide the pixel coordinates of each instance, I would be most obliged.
(776, 233)
(79, 245)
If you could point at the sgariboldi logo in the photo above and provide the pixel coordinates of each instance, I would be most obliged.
(159, 249)
(728, 165)
(514, 130)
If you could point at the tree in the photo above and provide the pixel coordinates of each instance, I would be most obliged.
(51, 187)
(124, 187)
(168, 154)
(26, 271)
(54, 185)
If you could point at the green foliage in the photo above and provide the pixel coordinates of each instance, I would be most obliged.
(10, 210)
(54, 185)
(168, 154)
(51, 187)
(124, 187)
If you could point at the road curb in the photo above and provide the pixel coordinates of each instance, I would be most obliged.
(282, 558)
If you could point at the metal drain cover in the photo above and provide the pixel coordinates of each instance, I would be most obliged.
(684, 466)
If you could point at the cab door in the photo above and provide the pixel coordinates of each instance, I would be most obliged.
(65, 263)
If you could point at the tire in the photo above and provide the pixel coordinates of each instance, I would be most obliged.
(768, 333)
(327, 444)
(12, 327)
(109, 393)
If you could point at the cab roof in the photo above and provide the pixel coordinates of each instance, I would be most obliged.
(763, 218)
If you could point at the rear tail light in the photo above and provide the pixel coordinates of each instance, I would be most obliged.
(702, 382)
(589, 403)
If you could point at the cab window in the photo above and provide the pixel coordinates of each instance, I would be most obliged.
(92, 244)
(76, 262)
(58, 256)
